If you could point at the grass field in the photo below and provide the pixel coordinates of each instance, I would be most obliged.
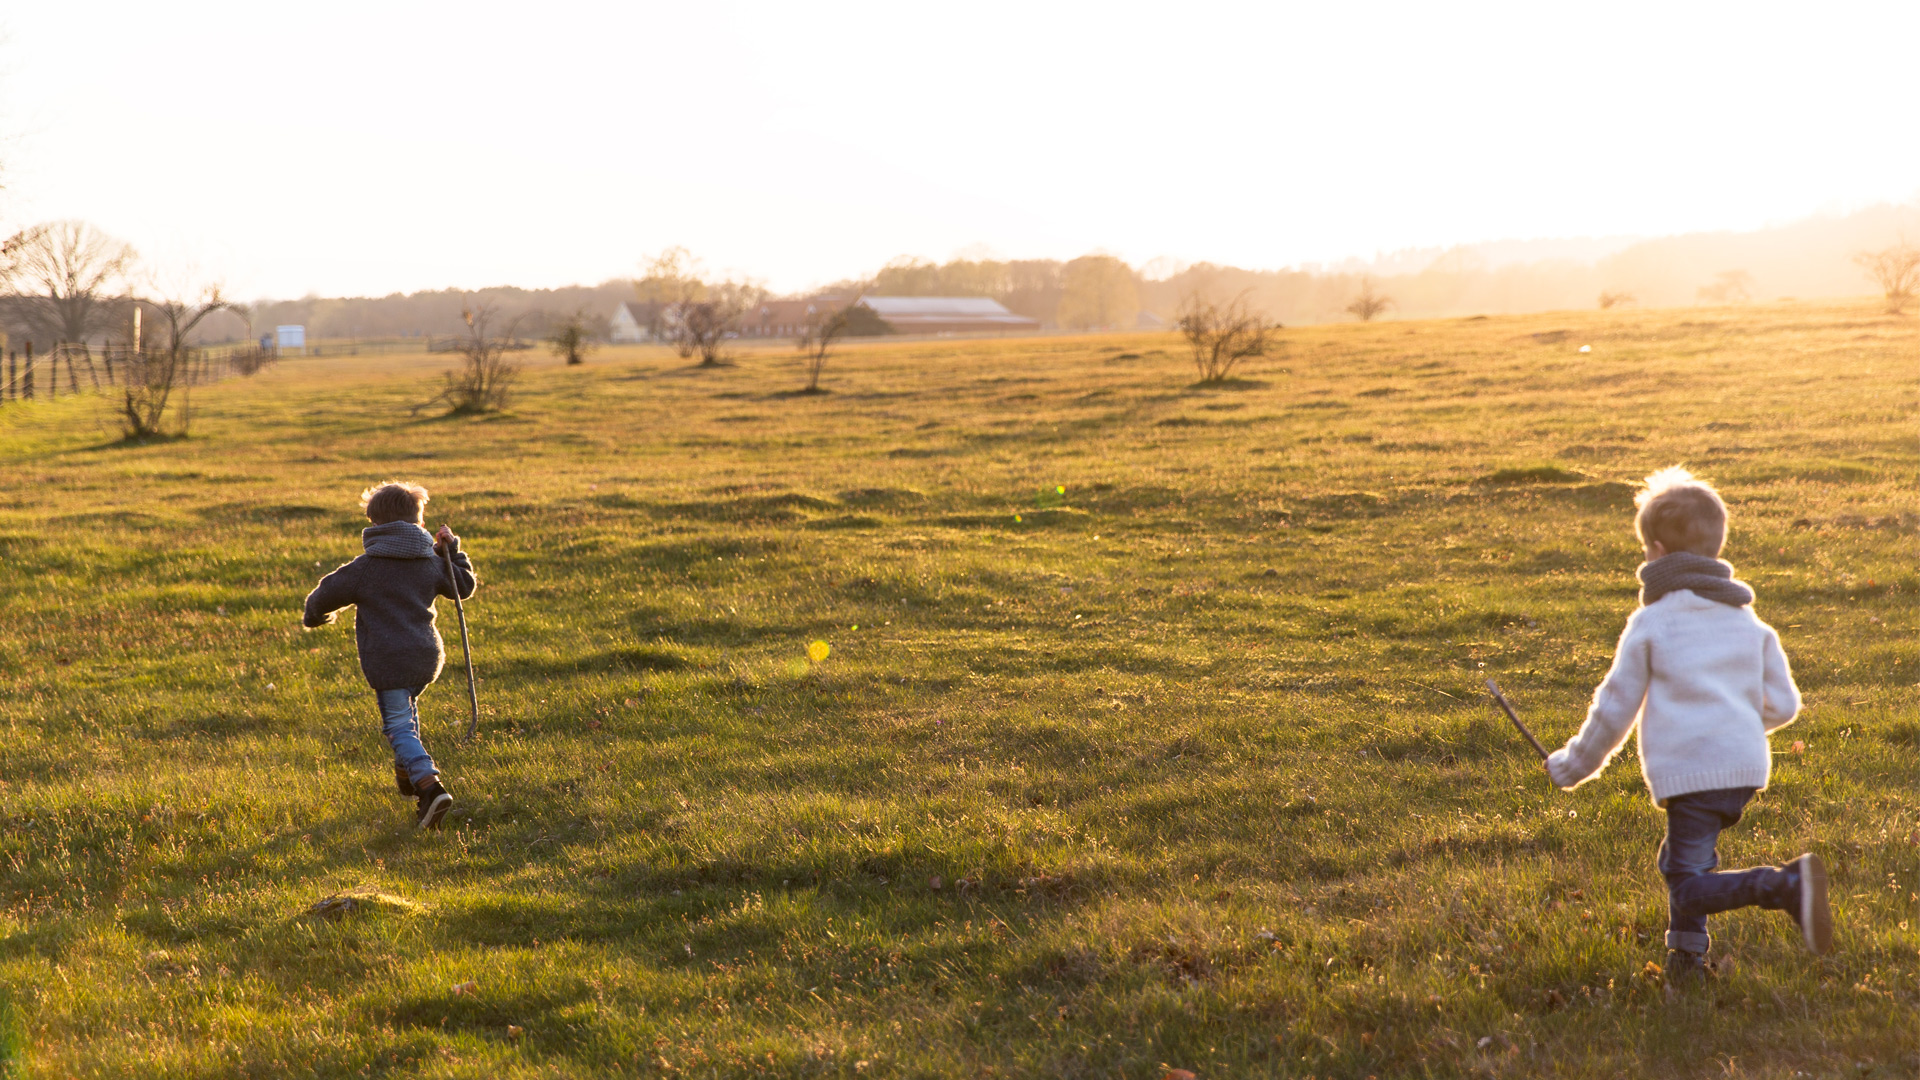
(1150, 734)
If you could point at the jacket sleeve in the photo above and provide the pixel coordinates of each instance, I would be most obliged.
(1780, 699)
(462, 573)
(1615, 709)
(334, 592)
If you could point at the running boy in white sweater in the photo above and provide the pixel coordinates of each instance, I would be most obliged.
(1705, 681)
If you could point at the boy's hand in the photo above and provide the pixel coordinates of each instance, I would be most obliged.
(445, 534)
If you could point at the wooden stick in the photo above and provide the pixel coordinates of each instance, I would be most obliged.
(1500, 699)
(473, 695)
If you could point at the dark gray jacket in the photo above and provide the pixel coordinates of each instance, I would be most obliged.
(393, 585)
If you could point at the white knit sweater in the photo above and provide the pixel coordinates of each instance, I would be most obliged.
(1705, 682)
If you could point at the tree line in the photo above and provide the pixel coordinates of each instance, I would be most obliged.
(72, 289)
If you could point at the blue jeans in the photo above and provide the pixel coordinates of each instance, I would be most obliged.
(1688, 862)
(400, 723)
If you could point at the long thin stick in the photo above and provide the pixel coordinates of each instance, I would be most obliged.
(1500, 699)
(473, 695)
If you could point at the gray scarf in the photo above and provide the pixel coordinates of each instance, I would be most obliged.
(397, 540)
(1706, 577)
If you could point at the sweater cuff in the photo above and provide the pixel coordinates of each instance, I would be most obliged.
(1560, 768)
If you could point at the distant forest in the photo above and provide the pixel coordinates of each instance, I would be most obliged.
(1806, 259)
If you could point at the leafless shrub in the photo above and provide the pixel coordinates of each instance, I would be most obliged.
(250, 359)
(161, 363)
(1220, 336)
(706, 326)
(1369, 303)
(485, 378)
(1611, 300)
(697, 316)
(571, 338)
(817, 338)
(1727, 287)
(1896, 270)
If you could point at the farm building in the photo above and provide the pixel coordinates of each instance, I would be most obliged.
(632, 322)
(947, 315)
(786, 318)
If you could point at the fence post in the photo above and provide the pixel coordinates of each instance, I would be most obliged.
(13, 375)
(29, 371)
(92, 372)
(106, 357)
(73, 377)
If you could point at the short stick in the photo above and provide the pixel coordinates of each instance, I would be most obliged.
(1500, 699)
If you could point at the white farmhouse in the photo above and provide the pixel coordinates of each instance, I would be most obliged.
(631, 324)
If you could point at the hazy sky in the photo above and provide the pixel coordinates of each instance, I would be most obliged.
(362, 148)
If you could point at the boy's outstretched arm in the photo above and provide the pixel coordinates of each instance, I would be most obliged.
(1610, 719)
(334, 592)
(444, 540)
(1780, 698)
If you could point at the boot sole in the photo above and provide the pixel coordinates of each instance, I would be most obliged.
(1816, 918)
(431, 819)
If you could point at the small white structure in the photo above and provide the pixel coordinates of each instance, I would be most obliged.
(290, 337)
(631, 324)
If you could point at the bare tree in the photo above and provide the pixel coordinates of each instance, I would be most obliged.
(671, 286)
(65, 273)
(1896, 270)
(485, 378)
(571, 338)
(1220, 336)
(817, 338)
(705, 326)
(1611, 300)
(246, 313)
(696, 316)
(1728, 287)
(163, 363)
(1369, 303)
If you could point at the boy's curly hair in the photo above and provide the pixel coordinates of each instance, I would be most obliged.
(1682, 512)
(395, 500)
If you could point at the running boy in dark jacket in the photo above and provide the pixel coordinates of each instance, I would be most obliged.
(393, 585)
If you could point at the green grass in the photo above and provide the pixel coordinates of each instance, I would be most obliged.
(1150, 735)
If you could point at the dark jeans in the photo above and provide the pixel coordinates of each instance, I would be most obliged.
(1688, 862)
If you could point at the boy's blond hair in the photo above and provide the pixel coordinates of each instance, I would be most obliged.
(1682, 512)
(395, 500)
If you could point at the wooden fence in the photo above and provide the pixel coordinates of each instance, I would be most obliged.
(77, 369)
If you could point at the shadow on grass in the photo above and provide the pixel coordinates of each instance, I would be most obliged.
(628, 659)
(274, 513)
(650, 623)
(1232, 382)
(549, 1019)
(133, 442)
